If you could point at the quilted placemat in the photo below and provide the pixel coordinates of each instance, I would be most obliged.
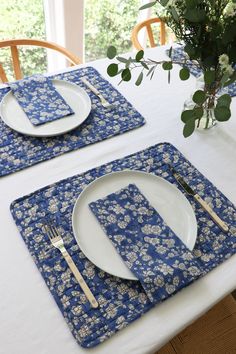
(120, 301)
(18, 151)
(179, 55)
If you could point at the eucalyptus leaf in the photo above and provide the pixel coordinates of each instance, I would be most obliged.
(144, 65)
(224, 79)
(167, 65)
(122, 59)
(189, 128)
(169, 77)
(199, 97)
(111, 52)
(184, 74)
(222, 113)
(164, 2)
(170, 52)
(149, 4)
(195, 15)
(198, 112)
(139, 79)
(139, 55)
(126, 74)
(112, 69)
(209, 77)
(151, 70)
(224, 100)
(232, 79)
(186, 115)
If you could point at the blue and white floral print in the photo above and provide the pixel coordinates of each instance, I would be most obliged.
(150, 249)
(39, 99)
(120, 301)
(18, 151)
(178, 54)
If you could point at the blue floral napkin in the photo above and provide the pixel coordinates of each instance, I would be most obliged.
(40, 100)
(150, 249)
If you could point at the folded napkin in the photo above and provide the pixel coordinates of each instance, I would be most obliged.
(39, 99)
(150, 249)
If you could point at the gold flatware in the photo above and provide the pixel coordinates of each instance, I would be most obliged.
(201, 201)
(104, 102)
(58, 243)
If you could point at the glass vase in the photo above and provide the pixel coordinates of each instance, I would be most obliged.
(208, 119)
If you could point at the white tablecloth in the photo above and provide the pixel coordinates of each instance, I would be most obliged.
(30, 320)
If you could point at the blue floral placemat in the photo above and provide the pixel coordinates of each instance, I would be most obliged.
(18, 151)
(120, 302)
(178, 54)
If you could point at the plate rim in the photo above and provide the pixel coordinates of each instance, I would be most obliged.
(45, 135)
(121, 172)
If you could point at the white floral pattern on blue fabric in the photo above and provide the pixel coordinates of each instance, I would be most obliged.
(18, 151)
(150, 249)
(179, 55)
(120, 302)
(39, 99)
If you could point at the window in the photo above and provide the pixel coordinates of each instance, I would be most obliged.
(23, 19)
(82, 26)
(109, 22)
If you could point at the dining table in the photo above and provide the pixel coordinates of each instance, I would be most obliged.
(30, 320)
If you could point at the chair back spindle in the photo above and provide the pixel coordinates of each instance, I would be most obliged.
(147, 24)
(14, 43)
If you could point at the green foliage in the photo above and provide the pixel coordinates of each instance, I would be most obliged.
(126, 74)
(23, 19)
(199, 97)
(167, 65)
(109, 22)
(139, 79)
(209, 76)
(208, 30)
(189, 127)
(149, 4)
(139, 56)
(222, 111)
(184, 74)
(112, 69)
(111, 52)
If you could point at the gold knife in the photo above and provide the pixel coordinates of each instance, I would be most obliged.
(202, 202)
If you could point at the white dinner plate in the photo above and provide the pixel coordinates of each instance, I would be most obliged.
(13, 115)
(166, 198)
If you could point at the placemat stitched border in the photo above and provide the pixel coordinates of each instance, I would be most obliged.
(120, 301)
(18, 151)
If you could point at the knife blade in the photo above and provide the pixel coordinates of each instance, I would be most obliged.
(199, 199)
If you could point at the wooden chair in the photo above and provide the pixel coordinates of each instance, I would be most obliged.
(14, 43)
(147, 24)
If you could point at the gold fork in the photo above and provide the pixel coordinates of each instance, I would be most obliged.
(104, 102)
(58, 243)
